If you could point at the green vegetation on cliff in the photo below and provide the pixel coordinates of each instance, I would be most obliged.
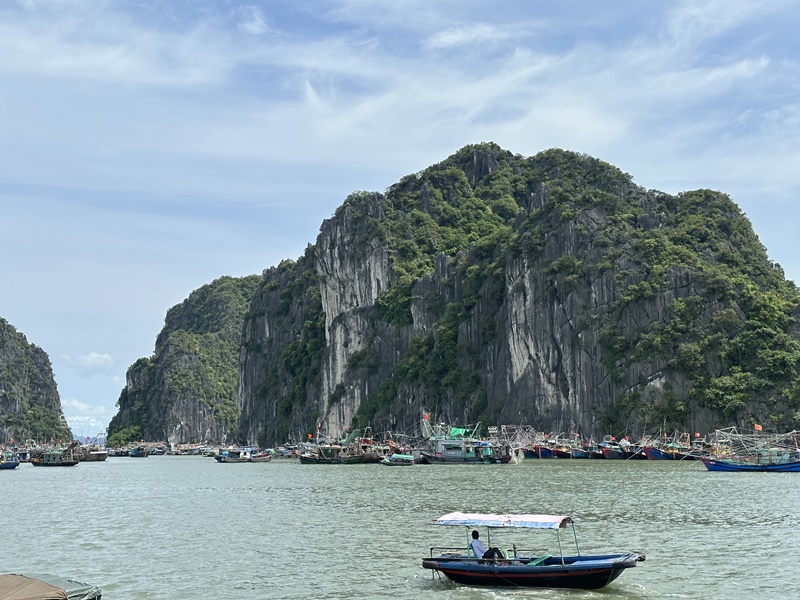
(731, 338)
(195, 363)
(548, 290)
(29, 404)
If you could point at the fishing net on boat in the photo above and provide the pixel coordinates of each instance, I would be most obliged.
(745, 445)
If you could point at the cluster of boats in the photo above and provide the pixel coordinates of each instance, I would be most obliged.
(724, 450)
(51, 456)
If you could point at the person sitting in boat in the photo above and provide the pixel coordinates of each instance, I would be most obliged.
(480, 551)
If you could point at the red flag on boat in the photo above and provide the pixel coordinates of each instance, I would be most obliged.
(757, 427)
(424, 416)
(696, 434)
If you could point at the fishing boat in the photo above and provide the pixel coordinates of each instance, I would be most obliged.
(323, 454)
(8, 460)
(138, 452)
(66, 457)
(242, 455)
(524, 568)
(456, 445)
(398, 460)
(735, 450)
(92, 453)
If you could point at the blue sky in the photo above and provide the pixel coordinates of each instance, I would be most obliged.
(147, 148)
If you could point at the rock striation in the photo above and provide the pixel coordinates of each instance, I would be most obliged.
(186, 391)
(550, 290)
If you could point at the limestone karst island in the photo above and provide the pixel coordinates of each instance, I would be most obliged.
(534, 301)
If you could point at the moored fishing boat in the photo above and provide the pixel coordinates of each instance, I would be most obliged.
(654, 453)
(9, 460)
(92, 454)
(754, 451)
(241, 455)
(523, 568)
(398, 460)
(138, 452)
(324, 454)
(53, 457)
(716, 464)
(455, 445)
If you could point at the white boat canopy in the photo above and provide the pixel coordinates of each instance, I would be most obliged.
(486, 520)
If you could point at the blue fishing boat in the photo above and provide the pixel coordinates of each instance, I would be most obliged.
(654, 453)
(524, 568)
(9, 460)
(714, 464)
(736, 450)
(138, 452)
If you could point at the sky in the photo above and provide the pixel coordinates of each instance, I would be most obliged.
(148, 148)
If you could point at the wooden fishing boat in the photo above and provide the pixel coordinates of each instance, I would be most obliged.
(242, 455)
(456, 445)
(56, 458)
(92, 453)
(735, 450)
(523, 568)
(323, 454)
(398, 460)
(654, 453)
(8, 460)
(138, 452)
(715, 464)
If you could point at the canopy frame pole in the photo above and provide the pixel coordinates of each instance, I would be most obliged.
(575, 535)
(560, 550)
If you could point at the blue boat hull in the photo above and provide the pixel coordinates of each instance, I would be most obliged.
(656, 453)
(725, 465)
(590, 572)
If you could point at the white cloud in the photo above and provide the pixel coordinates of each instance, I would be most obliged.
(91, 363)
(478, 34)
(75, 407)
(254, 22)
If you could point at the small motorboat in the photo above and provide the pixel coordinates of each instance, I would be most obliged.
(521, 568)
(398, 460)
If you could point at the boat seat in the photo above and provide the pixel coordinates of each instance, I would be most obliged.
(537, 562)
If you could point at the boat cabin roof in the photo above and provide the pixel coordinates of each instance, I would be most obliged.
(489, 520)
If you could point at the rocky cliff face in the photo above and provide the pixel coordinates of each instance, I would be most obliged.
(549, 290)
(30, 407)
(186, 391)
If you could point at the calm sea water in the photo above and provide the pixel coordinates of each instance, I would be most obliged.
(173, 527)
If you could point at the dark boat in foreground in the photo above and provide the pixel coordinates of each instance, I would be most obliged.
(29, 587)
(521, 568)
